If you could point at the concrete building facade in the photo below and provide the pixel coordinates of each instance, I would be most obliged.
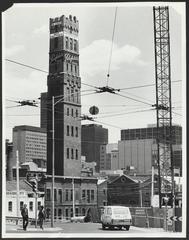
(138, 148)
(64, 84)
(109, 157)
(30, 142)
(92, 137)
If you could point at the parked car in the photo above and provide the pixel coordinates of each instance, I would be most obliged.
(116, 216)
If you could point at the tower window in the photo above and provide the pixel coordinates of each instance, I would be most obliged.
(72, 153)
(66, 42)
(68, 130)
(75, 45)
(72, 131)
(76, 131)
(76, 154)
(71, 68)
(75, 70)
(56, 42)
(67, 67)
(77, 96)
(72, 94)
(68, 153)
(76, 113)
(71, 44)
(68, 112)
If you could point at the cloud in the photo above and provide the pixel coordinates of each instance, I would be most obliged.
(14, 50)
(41, 30)
(94, 58)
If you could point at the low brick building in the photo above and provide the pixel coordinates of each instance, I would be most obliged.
(85, 189)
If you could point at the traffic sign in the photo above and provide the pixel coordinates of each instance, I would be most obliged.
(176, 218)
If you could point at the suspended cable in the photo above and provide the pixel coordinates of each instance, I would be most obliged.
(136, 100)
(147, 85)
(108, 74)
(24, 65)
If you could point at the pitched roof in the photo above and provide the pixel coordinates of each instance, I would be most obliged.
(11, 186)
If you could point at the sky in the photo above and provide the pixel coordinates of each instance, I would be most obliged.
(26, 40)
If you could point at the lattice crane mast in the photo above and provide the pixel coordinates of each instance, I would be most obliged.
(163, 103)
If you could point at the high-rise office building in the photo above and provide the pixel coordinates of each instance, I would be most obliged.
(30, 142)
(64, 84)
(92, 137)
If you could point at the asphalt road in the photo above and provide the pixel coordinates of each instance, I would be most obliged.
(80, 228)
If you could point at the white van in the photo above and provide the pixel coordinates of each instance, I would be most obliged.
(116, 216)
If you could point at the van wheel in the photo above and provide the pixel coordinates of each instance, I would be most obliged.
(127, 227)
(111, 227)
(103, 226)
(120, 227)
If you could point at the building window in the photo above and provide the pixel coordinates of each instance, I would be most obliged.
(31, 206)
(71, 195)
(71, 212)
(71, 68)
(88, 196)
(68, 153)
(55, 213)
(38, 205)
(56, 42)
(68, 111)
(77, 212)
(77, 96)
(104, 191)
(21, 205)
(72, 131)
(67, 42)
(76, 154)
(10, 206)
(48, 194)
(92, 195)
(60, 195)
(75, 45)
(72, 153)
(71, 44)
(83, 195)
(75, 70)
(76, 113)
(67, 213)
(68, 130)
(76, 131)
(83, 211)
(72, 112)
(59, 213)
(72, 94)
(67, 197)
(55, 194)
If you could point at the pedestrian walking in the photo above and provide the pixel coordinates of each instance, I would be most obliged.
(24, 213)
(41, 216)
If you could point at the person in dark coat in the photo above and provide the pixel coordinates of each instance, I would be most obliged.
(24, 213)
(41, 216)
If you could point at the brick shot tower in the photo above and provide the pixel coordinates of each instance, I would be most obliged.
(64, 84)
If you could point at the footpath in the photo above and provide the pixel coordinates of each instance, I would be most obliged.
(31, 228)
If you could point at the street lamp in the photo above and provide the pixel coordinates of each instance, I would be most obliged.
(53, 170)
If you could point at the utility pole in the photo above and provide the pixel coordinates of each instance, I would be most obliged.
(152, 189)
(52, 209)
(17, 184)
(36, 202)
(73, 197)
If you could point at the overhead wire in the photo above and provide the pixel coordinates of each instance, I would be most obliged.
(112, 41)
